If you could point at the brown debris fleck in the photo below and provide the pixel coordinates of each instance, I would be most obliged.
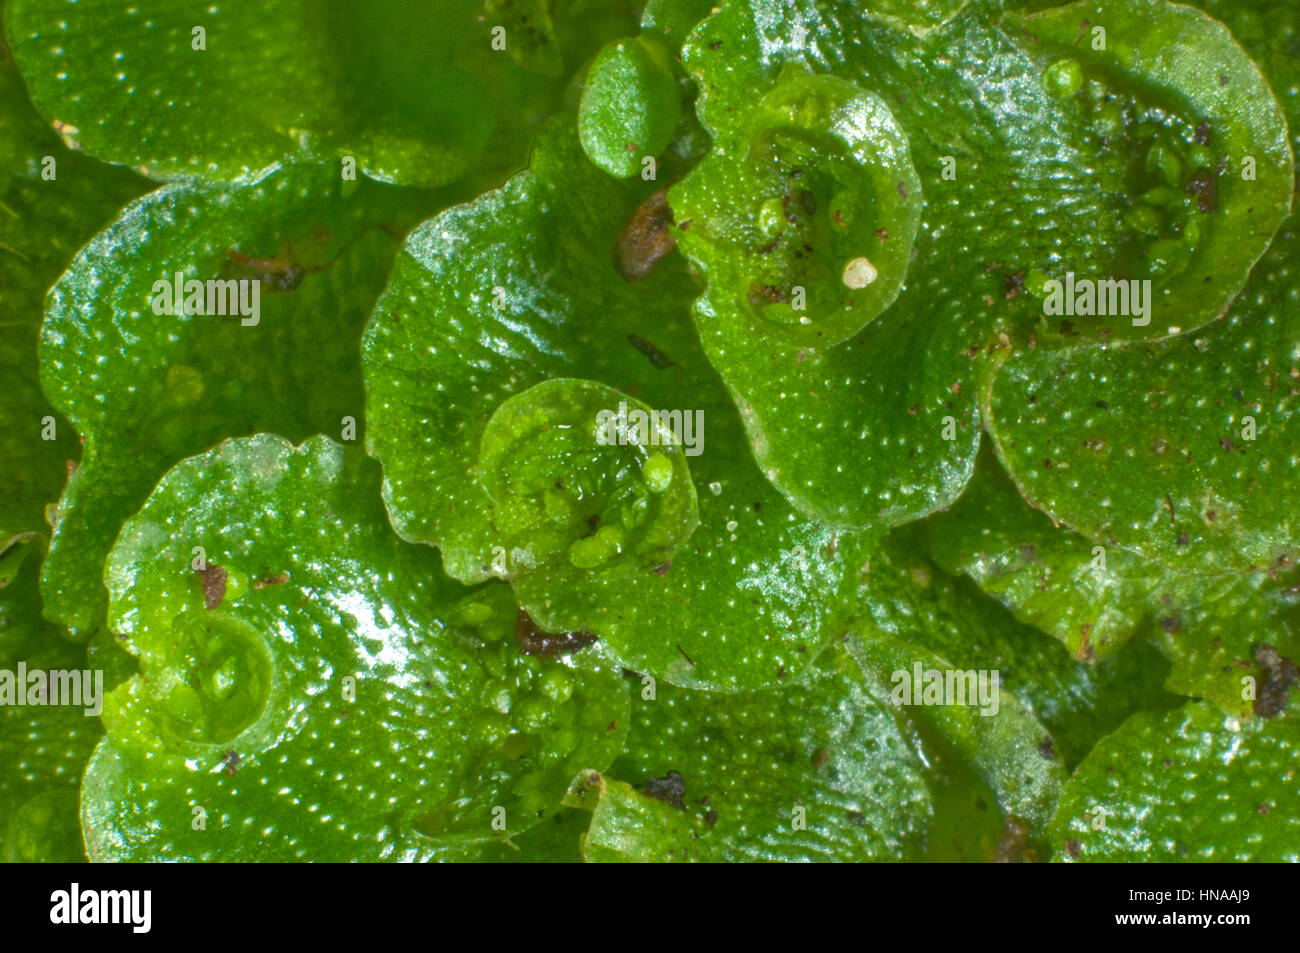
(213, 580)
(274, 274)
(645, 239)
(1280, 674)
(759, 293)
(1205, 187)
(657, 357)
(277, 580)
(1014, 848)
(533, 641)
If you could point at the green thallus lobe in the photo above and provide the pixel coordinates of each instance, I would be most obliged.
(804, 225)
(1192, 137)
(262, 709)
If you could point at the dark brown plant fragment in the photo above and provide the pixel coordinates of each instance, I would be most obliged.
(533, 641)
(645, 239)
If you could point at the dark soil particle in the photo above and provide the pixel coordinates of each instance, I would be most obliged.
(671, 789)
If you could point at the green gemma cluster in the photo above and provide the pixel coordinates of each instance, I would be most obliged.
(650, 431)
(566, 477)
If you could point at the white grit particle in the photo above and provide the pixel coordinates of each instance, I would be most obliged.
(859, 273)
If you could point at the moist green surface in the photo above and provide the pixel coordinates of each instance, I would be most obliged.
(641, 397)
